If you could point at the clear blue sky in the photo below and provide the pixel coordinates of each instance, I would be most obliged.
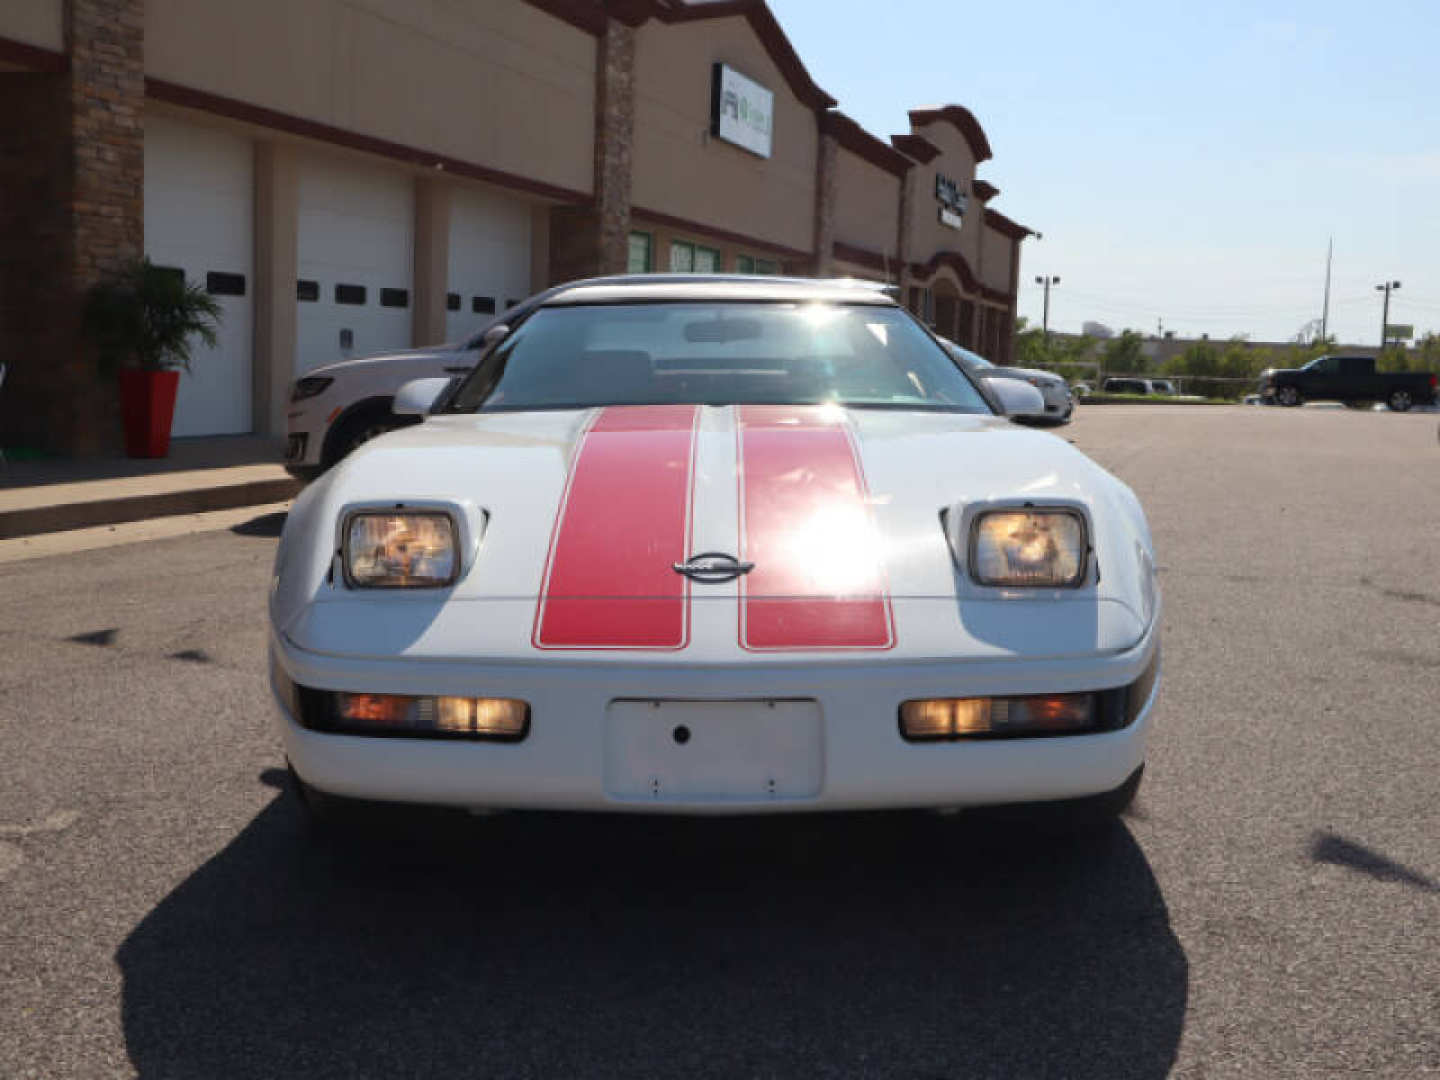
(1185, 161)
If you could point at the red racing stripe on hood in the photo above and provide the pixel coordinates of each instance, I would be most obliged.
(624, 519)
(805, 522)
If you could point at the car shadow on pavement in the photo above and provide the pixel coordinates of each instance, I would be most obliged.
(554, 945)
(266, 525)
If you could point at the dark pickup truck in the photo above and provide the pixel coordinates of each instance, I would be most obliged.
(1351, 379)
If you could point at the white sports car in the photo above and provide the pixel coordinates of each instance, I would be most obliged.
(709, 545)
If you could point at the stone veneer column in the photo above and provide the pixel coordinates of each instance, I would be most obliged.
(432, 260)
(74, 214)
(595, 239)
(614, 141)
(277, 215)
(827, 153)
(106, 41)
(902, 236)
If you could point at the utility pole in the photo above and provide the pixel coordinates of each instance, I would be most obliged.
(1325, 311)
(1387, 288)
(1047, 280)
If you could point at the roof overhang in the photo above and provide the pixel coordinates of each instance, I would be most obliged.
(916, 146)
(860, 142)
(962, 119)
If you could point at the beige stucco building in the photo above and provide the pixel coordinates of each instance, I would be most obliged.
(350, 176)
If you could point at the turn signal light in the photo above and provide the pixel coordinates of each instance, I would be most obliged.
(398, 714)
(960, 718)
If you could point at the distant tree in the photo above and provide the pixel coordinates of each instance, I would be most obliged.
(1393, 359)
(1427, 352)
(1125, 353)
(1030, 348)
(1098, 330)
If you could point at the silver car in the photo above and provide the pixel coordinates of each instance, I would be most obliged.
(1059, 402)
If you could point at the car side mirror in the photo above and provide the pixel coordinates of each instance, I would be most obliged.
(418, 396)
(1018, 399)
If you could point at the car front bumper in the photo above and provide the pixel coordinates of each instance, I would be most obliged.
(305, 428)
(568, 759)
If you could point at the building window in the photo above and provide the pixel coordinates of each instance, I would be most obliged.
(395, 298)
(640, 254)
(482, 305)
(682, 257)
(707, 260)
(219, 283)
(452, 301)
(922, 305)
(307, 290)
(350, 294)
(749, 264)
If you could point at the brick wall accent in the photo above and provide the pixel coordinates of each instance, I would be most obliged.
(614, 142)
(826, 158)
(74, 142)
(907, 218)
(36, 305)
(590, 240)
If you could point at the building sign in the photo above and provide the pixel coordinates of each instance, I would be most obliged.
(1399, 331)
(741, 110)
(952, 201)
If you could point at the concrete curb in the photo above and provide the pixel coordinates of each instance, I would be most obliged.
(29, 521)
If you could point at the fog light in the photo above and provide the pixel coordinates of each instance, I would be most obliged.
(959, 718)
(399, 714)
(495, 717)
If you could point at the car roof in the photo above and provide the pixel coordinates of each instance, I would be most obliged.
(744, 287)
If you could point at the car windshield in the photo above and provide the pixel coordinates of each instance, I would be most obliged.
(719, 353)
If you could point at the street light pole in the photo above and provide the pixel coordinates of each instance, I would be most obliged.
(1047, 280)
(1386, 287)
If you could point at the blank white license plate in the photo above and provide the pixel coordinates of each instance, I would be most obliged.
(698, 750)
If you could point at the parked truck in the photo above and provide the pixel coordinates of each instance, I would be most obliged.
(1349, 379)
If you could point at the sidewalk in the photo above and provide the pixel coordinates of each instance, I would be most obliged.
(200, 474)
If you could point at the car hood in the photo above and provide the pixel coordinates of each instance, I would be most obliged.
(581, 516)
(1023, 373)
(399, 357)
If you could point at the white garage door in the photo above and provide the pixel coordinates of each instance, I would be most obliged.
(198, 218)
(355, 255)
(489, 259)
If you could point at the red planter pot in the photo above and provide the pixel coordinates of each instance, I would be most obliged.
(147, 405)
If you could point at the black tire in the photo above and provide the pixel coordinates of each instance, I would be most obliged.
(1400, 401)
(1289, 397)
(358, 429)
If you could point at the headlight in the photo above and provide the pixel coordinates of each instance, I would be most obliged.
(309, 387)
(401, 550)
(1028, 547)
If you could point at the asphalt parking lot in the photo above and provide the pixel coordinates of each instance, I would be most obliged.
(1270, 908)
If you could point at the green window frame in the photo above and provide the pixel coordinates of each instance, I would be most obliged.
(751, 264)
(640, 259)
(707, 260)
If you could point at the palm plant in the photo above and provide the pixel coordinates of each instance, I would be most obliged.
(149, 317)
